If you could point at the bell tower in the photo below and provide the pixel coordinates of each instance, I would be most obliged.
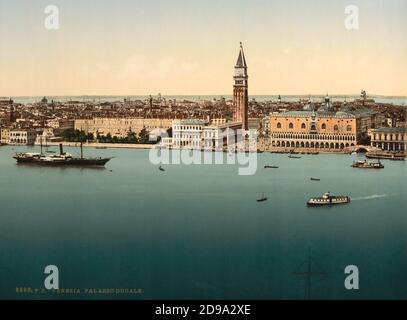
(240, 91)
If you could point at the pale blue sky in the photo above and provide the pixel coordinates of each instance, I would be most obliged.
(189, 47)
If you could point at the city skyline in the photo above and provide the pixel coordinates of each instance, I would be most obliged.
(136, 49)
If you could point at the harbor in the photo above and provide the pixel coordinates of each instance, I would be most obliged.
(135, 215)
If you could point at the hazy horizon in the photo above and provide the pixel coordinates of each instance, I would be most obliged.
(189, 48)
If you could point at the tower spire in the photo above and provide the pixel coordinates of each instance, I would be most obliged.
(240, 91)
(241, 60)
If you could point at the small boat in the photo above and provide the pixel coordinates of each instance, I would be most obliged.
(367, 165)
(294, 157)
(315, 179)
(161, 168)
(262, 198)
(270, 167)
(328, 200)
(101, 148)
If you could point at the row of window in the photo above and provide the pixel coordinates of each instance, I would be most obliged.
(21, 140)
(18, 134)
(304, 126)
(312, 145)
(187, 127)
(313, 137)
(388, 137)
(186, 136)
(390, 146)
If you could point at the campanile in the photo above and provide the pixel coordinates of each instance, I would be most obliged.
(240, 91)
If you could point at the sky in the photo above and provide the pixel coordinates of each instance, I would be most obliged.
(190, 47)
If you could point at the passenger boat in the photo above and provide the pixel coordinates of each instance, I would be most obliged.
(270, 167)
(315, 179)
(294, 157)
(367, 165)
(386, 156)
(328, 200)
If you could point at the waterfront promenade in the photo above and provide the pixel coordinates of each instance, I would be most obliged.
(101, 145)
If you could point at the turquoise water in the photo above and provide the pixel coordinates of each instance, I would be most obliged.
(197, 231)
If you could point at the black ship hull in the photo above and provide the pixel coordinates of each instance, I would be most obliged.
(65, 163)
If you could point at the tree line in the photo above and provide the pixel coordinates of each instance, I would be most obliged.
(72, 135)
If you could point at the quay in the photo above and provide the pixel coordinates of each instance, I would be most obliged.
(100, 145)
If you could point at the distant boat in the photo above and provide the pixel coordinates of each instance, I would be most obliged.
(315, 179)
(270, 167)
(367, 165)
(294, 157)
(387, 156)
(161, 168)
(262, 198)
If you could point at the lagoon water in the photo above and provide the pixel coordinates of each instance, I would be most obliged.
(197, 232)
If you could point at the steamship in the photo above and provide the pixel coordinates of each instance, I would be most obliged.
(61, 159)
(328, 200)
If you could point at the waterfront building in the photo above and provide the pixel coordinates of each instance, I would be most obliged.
(368, 119)
(216, 137)
(326, 129)
(22, 137)
(120, 127)
(265, 124)
(323, 129)
(188, 133)
(61, 124)
(389, 139)
(4, 136)
(200, 134)
(240, 91)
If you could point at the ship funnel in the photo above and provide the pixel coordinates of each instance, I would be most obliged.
(61, 149)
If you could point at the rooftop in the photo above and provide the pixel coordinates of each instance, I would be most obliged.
(318, 114)
(390, 130)
(192, 122)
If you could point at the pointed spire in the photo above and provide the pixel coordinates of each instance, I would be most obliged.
(241, 60)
